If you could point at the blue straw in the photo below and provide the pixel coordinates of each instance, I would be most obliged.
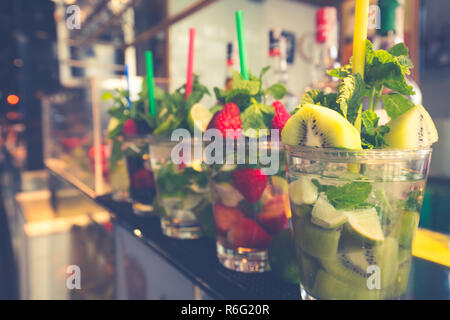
(127, 77)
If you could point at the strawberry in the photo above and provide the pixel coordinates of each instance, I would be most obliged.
(273, 216)
(250, 183)
(281, 116)
(142, 179)
(228, 120)
(225, 217)
(129, 128)
(247, 233)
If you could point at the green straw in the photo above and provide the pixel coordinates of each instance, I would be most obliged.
(242, 44)
(150, 82)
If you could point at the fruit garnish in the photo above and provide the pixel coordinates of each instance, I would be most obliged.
(142, 178)
(273, 217)
(303, 191)
(282, 257)
(326, 216)
(228, 121)
(317, 126)
(199, 117)
(247, 233)
(281, 116)
(250, 183)
(228, 194)
(413, 129)
(365, 224)
(129, 128)
(225, 217)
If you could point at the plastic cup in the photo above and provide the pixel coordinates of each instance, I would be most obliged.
(360, 247)
(250, 206)
(182, 189)
(142, 189)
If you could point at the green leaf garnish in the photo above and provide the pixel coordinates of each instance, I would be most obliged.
(395, 104)
(256, 116)
(351, 93)
(349, 196)
(278, 91)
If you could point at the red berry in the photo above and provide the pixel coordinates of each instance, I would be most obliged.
(281, 116)
(225, 217)
(273, 216)
(250, 183)
(142, 179)
(248, 234)
(129, 128)
(228, 121)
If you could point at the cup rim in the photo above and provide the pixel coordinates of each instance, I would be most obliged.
(314, 153)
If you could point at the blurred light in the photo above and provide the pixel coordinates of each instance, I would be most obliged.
(12, 99)
(12, 116)
(18, 62)
(137, 233)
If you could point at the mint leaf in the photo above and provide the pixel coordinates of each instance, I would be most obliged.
(252, 86)
(351, 93)
(241, 97)
(349, 196)
(399, 50)
(256, 116)
(278, 91)
(395, 104)
(341, 72)
(313, 96)
(412, 201)
(263, 72)
(220, 94)
(370, 121)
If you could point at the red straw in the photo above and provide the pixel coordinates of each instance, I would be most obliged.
(190, 76)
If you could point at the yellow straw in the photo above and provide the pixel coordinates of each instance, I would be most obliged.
(359, 44)
(360, 36)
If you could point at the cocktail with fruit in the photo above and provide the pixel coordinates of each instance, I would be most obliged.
(250, 203)
(181, 180)
(128, 129)
(356, 185)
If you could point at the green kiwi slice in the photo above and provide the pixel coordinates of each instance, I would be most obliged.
(351, 264)
(328, 287)
(318, 126)
(314, 240)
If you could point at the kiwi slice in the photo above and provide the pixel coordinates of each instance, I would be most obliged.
(303, 191)
(326, 216)
(398, 287)
(317, 126)
(314, 240)
(413, 129)
(351, 265)
(328, 287)
(405, 228)
(364, 223)
(308, 269)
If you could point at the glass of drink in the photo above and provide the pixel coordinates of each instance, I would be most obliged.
(250, 206)
(182, 186)
(142, 186)
(354, 215)
(119, 183)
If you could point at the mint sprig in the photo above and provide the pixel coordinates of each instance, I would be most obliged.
(256, 116)
(347, 197)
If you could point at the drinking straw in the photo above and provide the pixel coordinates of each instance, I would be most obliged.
(127, 78)
(189, 74)
(242, 44)
(150, 82)
(360, 36)
(359, 44)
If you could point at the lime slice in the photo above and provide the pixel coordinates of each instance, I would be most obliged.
(366, 224)
(326, 216)
(199, 117)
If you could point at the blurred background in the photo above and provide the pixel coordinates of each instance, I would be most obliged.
(58, 57)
